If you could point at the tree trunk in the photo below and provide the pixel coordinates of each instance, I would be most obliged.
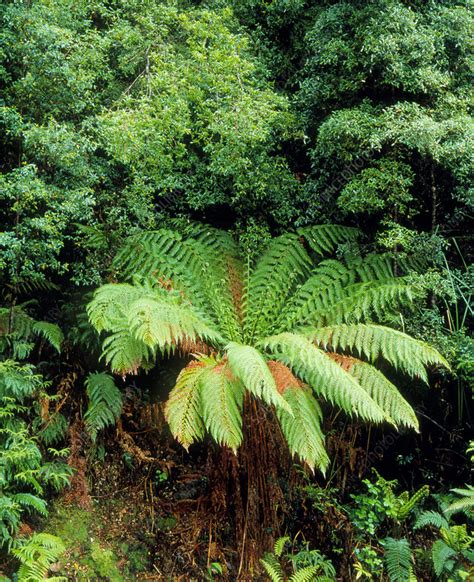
(249, 487)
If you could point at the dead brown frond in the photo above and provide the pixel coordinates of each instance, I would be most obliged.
(283, 376)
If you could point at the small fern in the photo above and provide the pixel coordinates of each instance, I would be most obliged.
(398, 560)
(36, 555)
(308, 565)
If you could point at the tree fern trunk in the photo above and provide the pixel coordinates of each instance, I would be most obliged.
(249, 486)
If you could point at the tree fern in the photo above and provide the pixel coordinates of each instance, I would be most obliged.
(295, 308)
(398, 560)
(105, 403)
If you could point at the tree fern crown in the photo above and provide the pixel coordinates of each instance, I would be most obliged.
(293, 331)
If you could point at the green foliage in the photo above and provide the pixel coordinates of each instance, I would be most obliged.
(105, 403)
(451, 553)
(307, 565)
(194, 296)
(36, 555)
(382, 503)
(24, 472)
(398, 560)
(18, 332)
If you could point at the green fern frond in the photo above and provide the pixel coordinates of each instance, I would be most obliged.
(406, 506)
(398, 560)
(30, 502)
(302, 429)
(198, 269)
(277, 273)
(443, 557)
(36, 555)
(110, 303)
(325, 238)
(430, 518)
(366, 300)
(273, 568)
(51, 332)
(465, 503)
(105, 403)
(324, 375)
(279, 545)
(222, 397)
(124, 353)
(306, 574)
(323, 288)
(405, 353)
(183, 409)
(165, 323)
(249, 366)
(385, 394)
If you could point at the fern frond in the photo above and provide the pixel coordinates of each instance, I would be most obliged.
(324, 238)
(30, 502)
(197, 268)
(384, 393)
(405, 353)
(124, 353)
(465, 503)
(324, 375)
(277, 273)
(323, 288)
(302, 429)
(306, 574)
(183, 409)
(165, 323)
(406, 506)
(36, 555)
(398, 560)
(105, 403)
(222, 397)
(365, 300)
(443, 557)
(430, 517)
(279, 545)
(273, 568)
(249, 366)
(110, 304)
(51, 332)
